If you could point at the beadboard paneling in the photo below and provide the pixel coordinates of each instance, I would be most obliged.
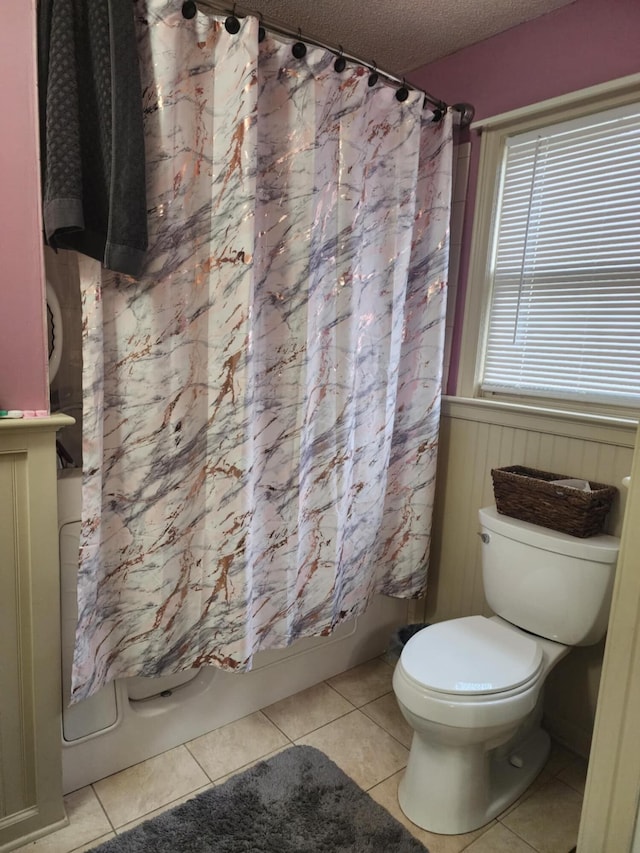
(30, 720)
(17, 761)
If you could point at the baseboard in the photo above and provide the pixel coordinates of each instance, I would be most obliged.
(568, 734)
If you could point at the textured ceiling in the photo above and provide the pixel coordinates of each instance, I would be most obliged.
(398, 35)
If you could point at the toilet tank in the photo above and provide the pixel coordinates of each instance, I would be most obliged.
(549, 583)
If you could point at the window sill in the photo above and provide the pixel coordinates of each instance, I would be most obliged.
(593, 427)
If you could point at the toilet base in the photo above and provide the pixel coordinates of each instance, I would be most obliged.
(452, 791)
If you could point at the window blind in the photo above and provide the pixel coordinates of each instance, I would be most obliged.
(565, 310)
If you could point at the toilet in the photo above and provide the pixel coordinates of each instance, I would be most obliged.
(471, 688)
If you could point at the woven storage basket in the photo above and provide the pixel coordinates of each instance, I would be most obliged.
(529, 495)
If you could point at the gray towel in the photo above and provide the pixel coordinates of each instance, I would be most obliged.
(92, 141)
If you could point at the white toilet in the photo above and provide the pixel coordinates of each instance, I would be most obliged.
(471, 688)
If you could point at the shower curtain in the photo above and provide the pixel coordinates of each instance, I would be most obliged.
(261, 408)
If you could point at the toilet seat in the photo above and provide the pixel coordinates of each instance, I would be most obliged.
(483, 674)
(471, 656)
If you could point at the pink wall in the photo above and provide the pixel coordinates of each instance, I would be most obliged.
(23, 374)
(580, 45)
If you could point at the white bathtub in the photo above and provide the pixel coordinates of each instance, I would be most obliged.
(136, 718)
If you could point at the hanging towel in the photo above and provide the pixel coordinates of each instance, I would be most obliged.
(92, 141)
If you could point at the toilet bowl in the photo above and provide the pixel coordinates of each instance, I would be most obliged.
(472, 688)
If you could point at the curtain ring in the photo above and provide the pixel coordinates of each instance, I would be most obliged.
(189, 9)
(374, 76)
(403, 92)
(341, 63)
(299, 49)
(232, 24)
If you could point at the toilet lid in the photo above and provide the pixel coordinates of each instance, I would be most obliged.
(472, 655)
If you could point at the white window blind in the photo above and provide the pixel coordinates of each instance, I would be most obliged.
(565, 311)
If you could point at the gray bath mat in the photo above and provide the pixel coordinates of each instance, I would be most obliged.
(296, 801)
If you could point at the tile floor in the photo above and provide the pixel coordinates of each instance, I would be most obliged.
(354, 719)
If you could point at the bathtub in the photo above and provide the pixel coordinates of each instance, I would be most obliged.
(132, 719)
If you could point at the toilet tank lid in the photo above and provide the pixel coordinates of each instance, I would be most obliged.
(471, 656)
(599, 549)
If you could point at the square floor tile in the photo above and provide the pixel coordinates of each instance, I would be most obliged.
(559, 758)
(360, 748)
(251, 764)
(153, 783)
(386, 793)
(386, 713)
(575, 775)
(87, 823)
(232, 746)
(364, 683)
(95, 843)
(302, 713)
(127, 826)
(499, 839)
(549, 819)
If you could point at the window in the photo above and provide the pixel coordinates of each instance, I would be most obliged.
(561, 255)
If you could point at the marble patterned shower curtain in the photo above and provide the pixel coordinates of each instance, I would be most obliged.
(261, 408)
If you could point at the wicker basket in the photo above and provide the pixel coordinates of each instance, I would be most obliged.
(529, 495)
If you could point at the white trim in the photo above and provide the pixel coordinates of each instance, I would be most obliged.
(479, 274)
(56, 422)
(592, 93)
(620, 432)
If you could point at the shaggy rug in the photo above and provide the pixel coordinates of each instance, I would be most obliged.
(296, 801)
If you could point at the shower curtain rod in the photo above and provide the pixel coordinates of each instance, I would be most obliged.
(466, 111)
